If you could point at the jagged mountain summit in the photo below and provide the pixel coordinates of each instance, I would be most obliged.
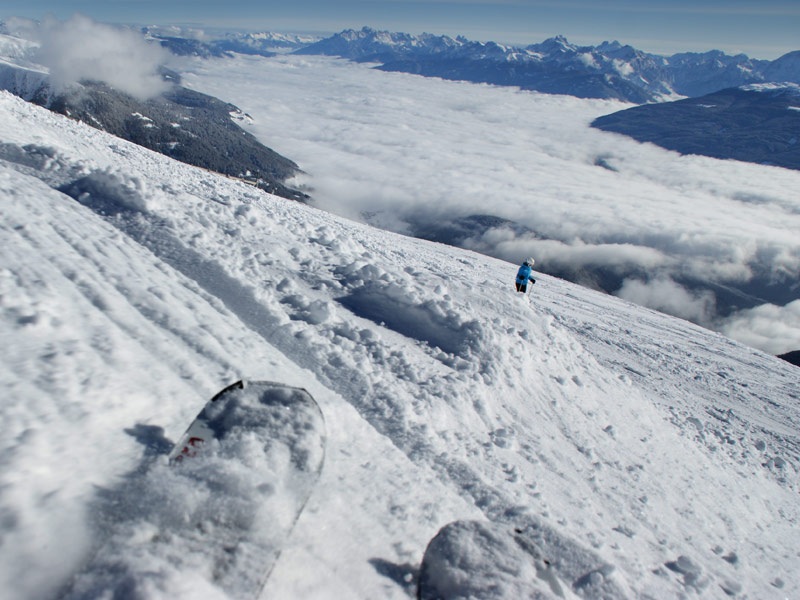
(610, 70)
(542, 68)
(757, 123)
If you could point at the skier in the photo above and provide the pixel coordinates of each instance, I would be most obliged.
(524, 275)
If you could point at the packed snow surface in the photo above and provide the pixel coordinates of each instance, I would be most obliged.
(133, 288)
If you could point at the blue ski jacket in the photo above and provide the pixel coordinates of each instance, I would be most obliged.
(524, 274)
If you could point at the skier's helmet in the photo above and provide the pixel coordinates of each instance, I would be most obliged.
(530, 262)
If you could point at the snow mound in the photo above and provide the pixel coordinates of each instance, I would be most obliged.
(478, 559)
(112, 191)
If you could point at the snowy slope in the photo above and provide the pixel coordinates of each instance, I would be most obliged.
(133, 287)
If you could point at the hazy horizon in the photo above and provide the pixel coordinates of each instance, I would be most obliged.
(764, 31)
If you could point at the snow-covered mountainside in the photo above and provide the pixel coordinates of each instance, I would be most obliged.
(186, 125)
(18, 73)
(610, 70)
(757, 123)
(133, 287)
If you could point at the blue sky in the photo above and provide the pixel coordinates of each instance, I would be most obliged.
(765, 29)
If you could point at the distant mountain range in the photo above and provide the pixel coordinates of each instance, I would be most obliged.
(610, 70)
(259, 44)
(555, 66)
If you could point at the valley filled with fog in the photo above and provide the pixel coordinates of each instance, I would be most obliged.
(704, 239)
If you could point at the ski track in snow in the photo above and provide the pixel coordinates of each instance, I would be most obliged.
(134, 287)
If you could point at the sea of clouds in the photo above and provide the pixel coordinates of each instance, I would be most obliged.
(404, 152)
(396, 150)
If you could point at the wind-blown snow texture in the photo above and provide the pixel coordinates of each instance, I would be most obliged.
(142, 287)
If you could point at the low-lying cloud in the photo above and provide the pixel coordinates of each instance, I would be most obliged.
(697, 237)
(667, 296)
(769, 327)
(81, 49)
(576, 254)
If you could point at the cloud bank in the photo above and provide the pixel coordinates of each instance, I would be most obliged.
(771, 328)
(667, 296)
(698, 237)
(82, 49)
